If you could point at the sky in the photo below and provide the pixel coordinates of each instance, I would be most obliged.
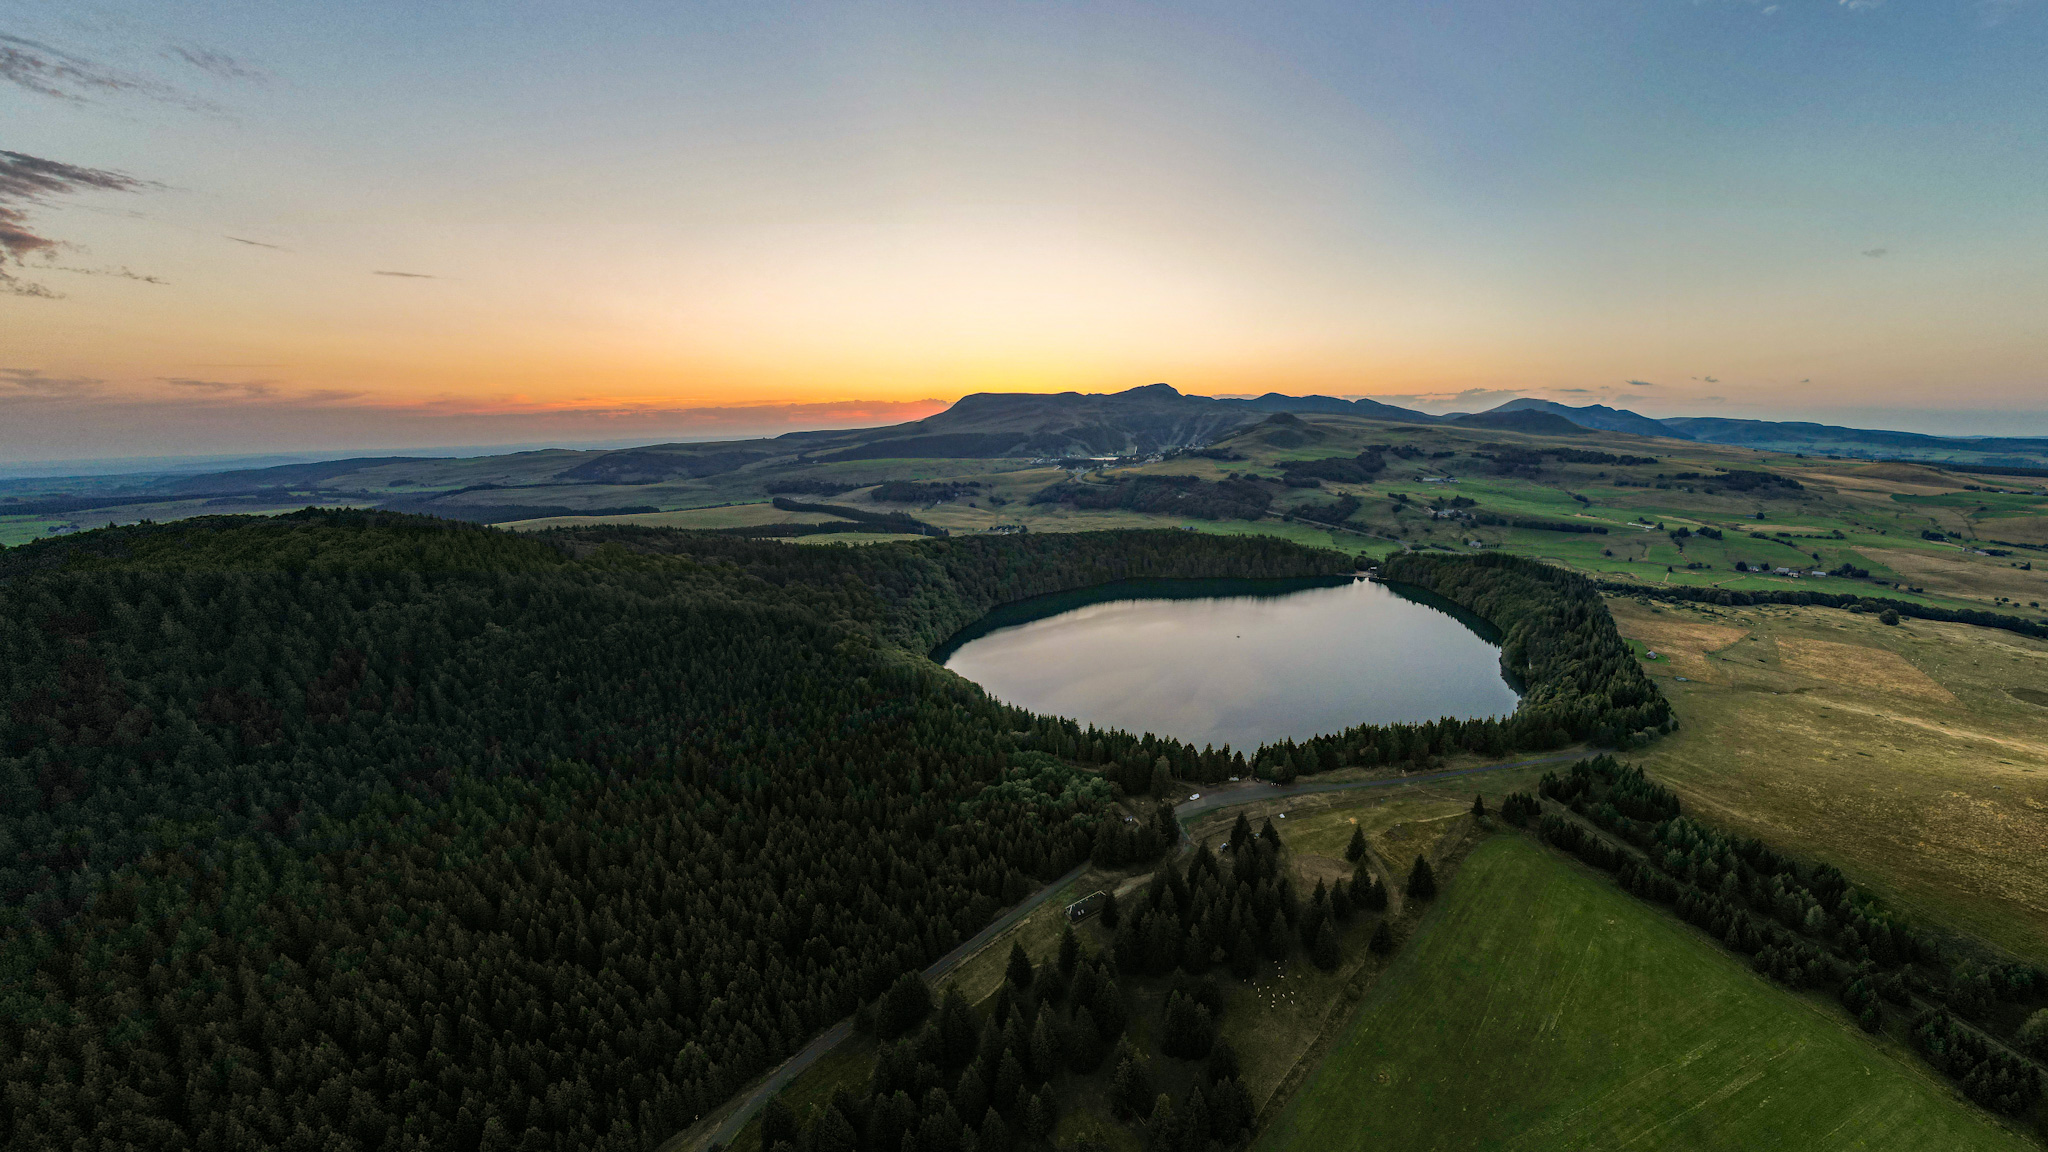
(241, 227)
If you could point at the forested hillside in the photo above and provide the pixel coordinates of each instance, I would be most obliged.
(356, 830)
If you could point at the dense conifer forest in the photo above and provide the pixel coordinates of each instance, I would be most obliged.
(358, 830)
(350, 830)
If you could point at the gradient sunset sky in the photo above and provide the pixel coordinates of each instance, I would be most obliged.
(239, 227)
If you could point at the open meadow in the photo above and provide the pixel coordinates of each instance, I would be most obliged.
(1541, 1007)
(1913, 756)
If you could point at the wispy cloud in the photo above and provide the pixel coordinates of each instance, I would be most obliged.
(1876, 253)
(28, 180)
(256, 243)
(1639, 384)
(1577, 391)
(218, 64)
(248, 388)
(35, 382)
(407, 275)
(1467, 400)
(55, 73)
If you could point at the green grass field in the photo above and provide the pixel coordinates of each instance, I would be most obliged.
(1542, 1007)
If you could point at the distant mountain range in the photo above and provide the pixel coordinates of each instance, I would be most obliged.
(981, 426)
(1800, 436)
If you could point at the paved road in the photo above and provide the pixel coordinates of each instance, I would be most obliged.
(830, 1037)
(1228, 796)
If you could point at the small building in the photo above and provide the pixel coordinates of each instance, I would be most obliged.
(1087, 906)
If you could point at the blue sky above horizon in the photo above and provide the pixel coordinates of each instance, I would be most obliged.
(285, 226)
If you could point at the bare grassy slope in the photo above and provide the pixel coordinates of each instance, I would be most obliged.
(1909, 756)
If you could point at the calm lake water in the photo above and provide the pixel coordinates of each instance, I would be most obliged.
(1242, 662)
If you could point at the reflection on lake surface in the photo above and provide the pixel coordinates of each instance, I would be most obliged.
(1235, 661)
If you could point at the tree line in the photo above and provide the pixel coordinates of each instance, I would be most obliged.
(1191, 496)
(1853, 601)
(1804, 925)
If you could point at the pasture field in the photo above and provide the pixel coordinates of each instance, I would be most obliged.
(1541, 1007)
(1914, 757)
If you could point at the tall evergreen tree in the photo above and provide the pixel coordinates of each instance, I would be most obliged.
(1355, 851)
(1018, 972)
(1422, 880)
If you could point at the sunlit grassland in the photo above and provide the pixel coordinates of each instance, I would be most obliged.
(1542, 1007)
(1899, 753)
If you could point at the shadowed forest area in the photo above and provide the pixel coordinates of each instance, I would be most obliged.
(407, 833)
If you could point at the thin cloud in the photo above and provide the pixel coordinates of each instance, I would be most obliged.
(1470, 399)
(248, 388)
(268, 392)
(26, 179)
(1577, 391)
(56, 73)
(1876, 253)
(34, 382)
(218, 64)
(115, 273)
(1639, 384)
(407, 275)
(256, 243)
(31, 180)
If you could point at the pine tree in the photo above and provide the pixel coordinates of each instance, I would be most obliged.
(1070, 951)
(1240, 835)
(1422, 880)
(1164, 1125)
(1355, 851)
(1195, 1119)
(1009, 1081)
(1046, 1048)
(1478, 805)
(1382, 940)
(1324, 951)
(1019, 971)
(1244, 955)
(1084, 1042)
(995, 1133)
(1130, 1087)
(834, 1132)
(908, 1001)
(778, 1123)
(1040, 1115)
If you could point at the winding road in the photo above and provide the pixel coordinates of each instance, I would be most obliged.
(1227, 797)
